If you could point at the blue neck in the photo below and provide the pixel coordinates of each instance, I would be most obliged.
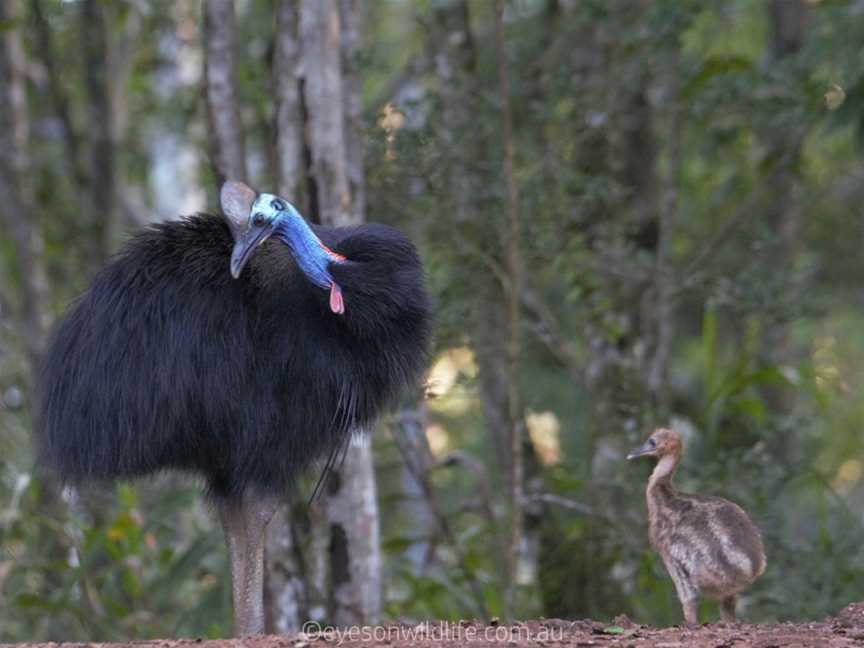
(312, 258)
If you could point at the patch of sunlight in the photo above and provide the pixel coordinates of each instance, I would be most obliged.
(447, 368)
(834, 97)
(391, 120)
(438, 439)
(791, 374)
(825, 362)
(544, 430)
(727, 31)
(848, 475)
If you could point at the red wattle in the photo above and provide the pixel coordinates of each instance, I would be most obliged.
(336, 303)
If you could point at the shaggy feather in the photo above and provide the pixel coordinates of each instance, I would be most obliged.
(167, 362)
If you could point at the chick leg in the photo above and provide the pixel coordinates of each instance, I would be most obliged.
(691, 616)
(687, 594)
(727, 608)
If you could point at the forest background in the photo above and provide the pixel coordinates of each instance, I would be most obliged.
(632, 214)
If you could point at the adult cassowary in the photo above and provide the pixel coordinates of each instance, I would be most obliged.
(239, 349)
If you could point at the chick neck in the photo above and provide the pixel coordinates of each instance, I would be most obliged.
(660, 486)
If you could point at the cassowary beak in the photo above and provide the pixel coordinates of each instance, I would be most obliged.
(236, 200)
(647, 449)
(245, 245)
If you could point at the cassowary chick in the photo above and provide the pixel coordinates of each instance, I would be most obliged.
(709, 545)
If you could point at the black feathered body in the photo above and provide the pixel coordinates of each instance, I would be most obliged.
(167, 362)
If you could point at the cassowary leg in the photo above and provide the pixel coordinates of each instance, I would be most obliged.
(231, 516)
(245, 522)
(259, 511)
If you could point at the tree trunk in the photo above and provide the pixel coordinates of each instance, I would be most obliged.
(227, 147)
(284, 588)
(103, 186)
(321, 40)
(291, 175)
(416, 463)
(788, 25)
(288, 590)
(21, 219)
(173, 179)
(513, 291)
(493, 322)
(788, 29)
(456, 67)
(620, 334)
(620, 364)
(454, 51)
(490, 347)
(18, 208)
(354, 554)
(107, 50)
(351, 23)
(354, 550)
(47, 53)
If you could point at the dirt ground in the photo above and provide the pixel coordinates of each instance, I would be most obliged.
(846, 629)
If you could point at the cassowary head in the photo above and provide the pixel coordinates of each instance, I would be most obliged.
(254, 217)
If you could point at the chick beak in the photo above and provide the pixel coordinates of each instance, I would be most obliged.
(646, 449)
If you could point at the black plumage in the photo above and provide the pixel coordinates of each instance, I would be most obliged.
(167, 362)
(239, 349)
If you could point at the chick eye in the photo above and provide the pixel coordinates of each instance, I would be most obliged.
(259, 219)
(277, 204)
(652, 442)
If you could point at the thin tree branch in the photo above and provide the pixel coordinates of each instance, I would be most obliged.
(667, 217)
(745, 209)
(514, 343)
(558, 500)
(422, 477)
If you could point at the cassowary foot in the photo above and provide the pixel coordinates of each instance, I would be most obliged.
(244, 522)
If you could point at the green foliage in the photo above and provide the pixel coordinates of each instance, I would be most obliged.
(121, 576)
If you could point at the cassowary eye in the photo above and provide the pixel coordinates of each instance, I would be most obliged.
(259, 219)
(277, 204)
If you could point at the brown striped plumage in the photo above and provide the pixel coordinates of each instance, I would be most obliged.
(709, 545)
